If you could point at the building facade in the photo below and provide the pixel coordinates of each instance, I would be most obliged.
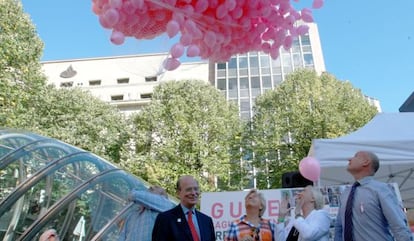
(124, 81)
(246, 76)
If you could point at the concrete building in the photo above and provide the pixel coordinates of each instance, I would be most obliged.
(246, 76)
(124, 81)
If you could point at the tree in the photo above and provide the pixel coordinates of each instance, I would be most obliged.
(20, 52)
(80, 119)
(305, 106)
(188, 128)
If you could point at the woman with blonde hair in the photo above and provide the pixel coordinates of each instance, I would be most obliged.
(311, 221)
(252, 226)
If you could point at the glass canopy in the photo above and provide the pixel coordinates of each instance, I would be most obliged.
(45, 183)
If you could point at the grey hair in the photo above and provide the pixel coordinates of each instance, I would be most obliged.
(374, 161)
(317, 196)
(262, 200)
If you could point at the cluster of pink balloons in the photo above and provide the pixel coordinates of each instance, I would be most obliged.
(210, 29)
(310, 168)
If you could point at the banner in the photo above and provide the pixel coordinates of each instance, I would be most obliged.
(225, 207)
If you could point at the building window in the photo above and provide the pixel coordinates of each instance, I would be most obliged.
(221, 65)
(66, 84)
(94, 82)
(221, 84)
(146, 96)
(117, 97)
(123, 81)
(150, 78)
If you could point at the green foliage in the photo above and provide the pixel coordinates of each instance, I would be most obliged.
(304, 107)
(188, 128)
(76, 117)
(20, 51)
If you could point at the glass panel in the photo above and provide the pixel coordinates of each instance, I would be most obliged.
(267, 81)
(244, 83)
(308, 59)
(221, 73)
(243, 62)
(232, 84)
(255, 82)
(244, 93)
(221, 65)
(305, 40)
(254, 61)
(244, 105)
(233, 63)
(221, 84)
(264, 61)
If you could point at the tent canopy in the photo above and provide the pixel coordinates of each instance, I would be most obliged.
(390, 136)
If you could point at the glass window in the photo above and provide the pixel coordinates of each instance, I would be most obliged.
(276, 62)
(305, 39)
(264, 61)
(221, 73)
(233, 63)
(254, 61)
(232, 72)
(243, 62)
(254, 71)
(66, 84)
(150, 78)
(233, 84)
(245, 105)
(117, 97)
(255, 82)
(221, 65)
(244, 83)
(308, 59)
(267, 81)
(255, 93)
(94, 82)
(297, 60)
(243, 72)
(146, 96)
(221, 84)
(265, 71)
(244, 93)
(125, 80)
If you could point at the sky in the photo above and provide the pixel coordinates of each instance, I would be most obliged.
(369, 43)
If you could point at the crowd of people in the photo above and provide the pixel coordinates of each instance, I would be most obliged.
(369, 210)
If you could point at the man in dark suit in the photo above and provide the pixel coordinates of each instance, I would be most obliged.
(184, 222)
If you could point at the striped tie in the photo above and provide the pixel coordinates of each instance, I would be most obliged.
(348, 214)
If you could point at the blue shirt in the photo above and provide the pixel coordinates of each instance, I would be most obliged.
(140, 222)
(377, 214)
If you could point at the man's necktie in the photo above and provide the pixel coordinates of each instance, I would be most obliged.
(192, 227)
(348, 232)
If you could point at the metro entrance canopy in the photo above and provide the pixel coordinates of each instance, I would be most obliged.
(46, 183)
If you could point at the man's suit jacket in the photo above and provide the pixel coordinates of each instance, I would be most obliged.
(172, 225)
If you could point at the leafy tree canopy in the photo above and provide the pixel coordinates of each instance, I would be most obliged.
(188, 128)
(305, 106)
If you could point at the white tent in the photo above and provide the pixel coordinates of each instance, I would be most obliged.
(390, 136)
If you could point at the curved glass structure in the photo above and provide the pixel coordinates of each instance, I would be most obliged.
(45, 183)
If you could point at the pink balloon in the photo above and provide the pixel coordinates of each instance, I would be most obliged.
(171, 64)
(177, 50)
(111, 17)
(201, 6)
(172, 28)
(117, 38)
(193, 51)
(310, 168)
(307, 15)
(317, 4)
